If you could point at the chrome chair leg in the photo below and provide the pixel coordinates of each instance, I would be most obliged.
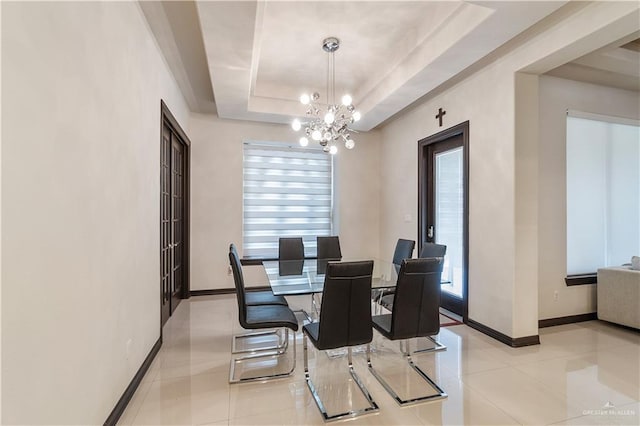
(265, 355)
(377, 300)
(440, 394)
(373, 407)
(315, 306)
(437, 347)
(282, 343)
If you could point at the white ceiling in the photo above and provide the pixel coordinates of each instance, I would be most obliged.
(617, 65)
(261, 55)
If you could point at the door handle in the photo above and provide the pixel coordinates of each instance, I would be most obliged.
(430, 232)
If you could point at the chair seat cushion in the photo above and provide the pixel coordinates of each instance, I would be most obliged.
(312, 330)
(271, 316)
(257, 298)
(382, 323)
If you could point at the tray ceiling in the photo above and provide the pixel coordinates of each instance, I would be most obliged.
(261, 55)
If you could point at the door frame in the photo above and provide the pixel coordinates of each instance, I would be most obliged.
(461, 129)
(169, 120)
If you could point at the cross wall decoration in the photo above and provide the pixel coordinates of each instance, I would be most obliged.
(440, 114)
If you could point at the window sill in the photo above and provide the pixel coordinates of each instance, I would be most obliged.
(582, 279)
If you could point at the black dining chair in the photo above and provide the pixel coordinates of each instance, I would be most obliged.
(290, 249)
(329, 248)
(258, 340)
(404, 250)
(415, 314)
(290, 267)
(433, 250)
(261, 297)
(345, 321)
(428, 250)
(257, 317)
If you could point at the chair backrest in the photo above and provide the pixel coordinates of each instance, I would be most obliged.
(416, 304)
(329, 248)
(321, 265)
(232, 248)
(404, 250)
(433, 250)
(238, 279)
(290, 249)
(290, 267)
(345, 313)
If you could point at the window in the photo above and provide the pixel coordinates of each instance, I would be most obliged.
(603, 192)
(288, 192)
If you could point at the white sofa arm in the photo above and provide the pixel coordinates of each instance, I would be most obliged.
(618, 292)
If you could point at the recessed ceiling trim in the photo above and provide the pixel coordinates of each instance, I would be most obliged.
(257, 44)
(421, 70)
(159, 23)
(240, 36)
(632, 45)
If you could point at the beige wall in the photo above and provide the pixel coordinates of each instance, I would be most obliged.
(82, 84)
(1, 274)
(491, 192)
(502, 294)
(556, 97)
(526, 198)
(216, 193)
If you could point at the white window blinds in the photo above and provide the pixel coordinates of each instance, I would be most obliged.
(287, 193)
(603, 192)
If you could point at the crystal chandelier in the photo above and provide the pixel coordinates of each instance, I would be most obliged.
(328, 124)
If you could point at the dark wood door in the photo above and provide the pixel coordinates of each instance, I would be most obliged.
(165, 225)
(443, 205)
(174, 217)
(177, 221)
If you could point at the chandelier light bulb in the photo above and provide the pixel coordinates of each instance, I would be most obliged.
(346, 100)
(329, 118)
(316, 135)
(305, 99)
(333, 150)
(356, 115)
(327, 136)
(304, 141)
(349, 144)
(296, 125)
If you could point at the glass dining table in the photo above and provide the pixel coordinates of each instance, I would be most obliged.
(299, 277)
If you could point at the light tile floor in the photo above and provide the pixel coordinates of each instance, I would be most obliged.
(581, 374)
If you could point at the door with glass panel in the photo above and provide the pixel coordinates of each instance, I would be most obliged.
(443, 201)
(174, 216)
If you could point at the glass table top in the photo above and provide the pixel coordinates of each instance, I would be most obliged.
(290, 277)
